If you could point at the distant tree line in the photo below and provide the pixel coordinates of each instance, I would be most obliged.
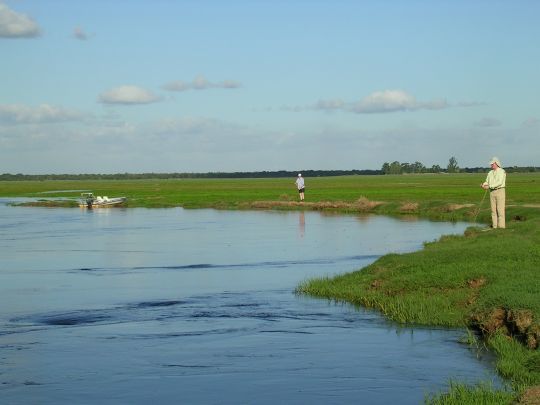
(209, 175)
(418, 167)
(452, 167)
(387, 168)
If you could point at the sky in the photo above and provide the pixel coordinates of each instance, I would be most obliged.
(114, 86)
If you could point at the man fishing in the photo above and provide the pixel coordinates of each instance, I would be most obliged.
(300, 185)
(496, 183)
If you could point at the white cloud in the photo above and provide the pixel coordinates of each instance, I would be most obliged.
(394, 100)
(128, 95)
(43, 114)
(79, 34)
(229, 84)
(330, 105)
(470, 104)
(385, 101)
(488, 122)
(16, 25)
(187, 125)
(531, 123)
(200, 83)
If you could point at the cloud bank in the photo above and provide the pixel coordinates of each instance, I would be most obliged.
(385, 101)
(394, 100)
(200, 83)
(128, 95)
(531, 122)
(201, 144)
(488, 122)
(192, 144)
(43, 114)
(16, 25)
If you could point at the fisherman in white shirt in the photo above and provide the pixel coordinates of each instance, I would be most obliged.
(300, 185)
(496, 183)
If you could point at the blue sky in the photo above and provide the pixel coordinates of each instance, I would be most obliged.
(109, 86)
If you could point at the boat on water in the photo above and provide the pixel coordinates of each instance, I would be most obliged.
(88, 200)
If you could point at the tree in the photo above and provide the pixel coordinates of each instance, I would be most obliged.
(418, 167)
(395, 167)
(452, 165)
(405, 167)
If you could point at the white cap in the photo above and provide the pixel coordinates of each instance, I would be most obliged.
(496, 161)
(299, 174)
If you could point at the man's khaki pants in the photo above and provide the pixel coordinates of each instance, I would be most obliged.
(497, 199)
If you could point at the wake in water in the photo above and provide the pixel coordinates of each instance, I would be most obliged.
(215, 307)
(253, 266)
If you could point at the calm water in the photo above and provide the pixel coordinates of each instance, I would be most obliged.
(197, 307)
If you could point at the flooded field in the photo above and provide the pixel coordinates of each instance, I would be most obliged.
(197, 307)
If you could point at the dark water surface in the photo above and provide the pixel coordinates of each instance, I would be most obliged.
(181, 306)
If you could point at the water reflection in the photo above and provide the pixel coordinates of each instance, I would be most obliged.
(364, 218)
(409, 218)
(301, 224)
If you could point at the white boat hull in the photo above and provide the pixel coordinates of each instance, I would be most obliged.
(102, 203)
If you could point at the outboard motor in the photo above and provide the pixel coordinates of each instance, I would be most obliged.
(89, 202)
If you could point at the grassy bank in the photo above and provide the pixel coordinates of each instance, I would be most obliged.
(435, 196)
(488, 281)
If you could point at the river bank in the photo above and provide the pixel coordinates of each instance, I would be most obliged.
(485, 280)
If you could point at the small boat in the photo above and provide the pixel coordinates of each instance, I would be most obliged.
(88, 200)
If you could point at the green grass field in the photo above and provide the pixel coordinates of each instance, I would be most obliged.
(485, 280)
(435, 195)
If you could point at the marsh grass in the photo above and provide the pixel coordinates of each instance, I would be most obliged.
(473, 340)
(480, 394)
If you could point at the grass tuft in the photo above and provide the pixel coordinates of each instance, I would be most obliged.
(479, 394)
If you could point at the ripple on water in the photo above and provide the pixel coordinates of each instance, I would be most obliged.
(249, 308)
(73, 318)
(154, 304)
(210, 266)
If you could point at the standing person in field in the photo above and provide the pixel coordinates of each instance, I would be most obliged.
(300, 185)
(496, 183)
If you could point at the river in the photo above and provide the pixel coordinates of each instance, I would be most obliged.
(175, 306)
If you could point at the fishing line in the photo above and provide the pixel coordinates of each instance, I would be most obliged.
(480, 206)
